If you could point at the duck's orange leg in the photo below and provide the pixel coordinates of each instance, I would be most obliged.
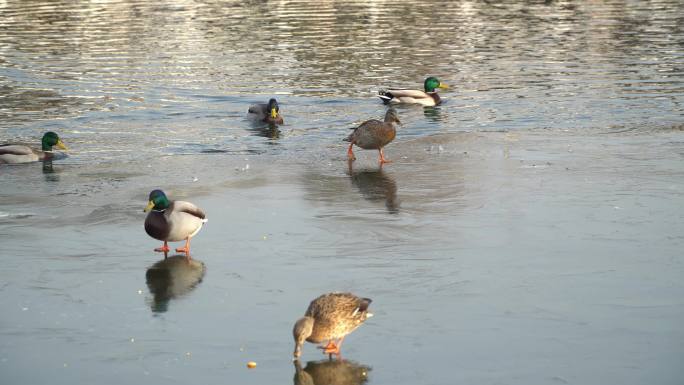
(350, 153)
(185, 249)
(332, 347)
(164, 249)
(383, 160)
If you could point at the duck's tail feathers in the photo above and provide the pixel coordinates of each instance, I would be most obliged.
(350, 137)
(385, 96)
(205, 220)
(365, 302)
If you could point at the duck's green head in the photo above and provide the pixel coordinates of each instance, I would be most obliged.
(157, 201)
(432, 82)
(51, 139)
(273, 108)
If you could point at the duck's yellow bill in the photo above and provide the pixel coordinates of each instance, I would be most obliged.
(61, 145)
(442, 85)
(274, 113)
(150, 206)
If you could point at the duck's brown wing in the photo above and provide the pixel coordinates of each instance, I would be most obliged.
(337, 304)
(366, 128)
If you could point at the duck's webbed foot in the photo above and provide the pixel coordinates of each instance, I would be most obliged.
(383, 160)
(330, 348)
(163, 249)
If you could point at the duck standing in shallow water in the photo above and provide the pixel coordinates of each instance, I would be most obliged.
(428, 98)
(172, 221)
(267, 112)
(374, 135)
(19, 153)
(330, 317)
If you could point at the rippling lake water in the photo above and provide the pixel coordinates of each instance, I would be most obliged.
(530, 229)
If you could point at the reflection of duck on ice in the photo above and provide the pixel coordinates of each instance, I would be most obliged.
(172, 277)
(331, 372)
(376, 185)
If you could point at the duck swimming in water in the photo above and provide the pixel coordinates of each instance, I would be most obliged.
(20, 153)
(428, 98)
(267, 112)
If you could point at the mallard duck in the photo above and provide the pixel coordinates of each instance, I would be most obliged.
(427, 98)
(267, 112)
(374, 135)
(330, 317)
(19, 153)
(172, 221)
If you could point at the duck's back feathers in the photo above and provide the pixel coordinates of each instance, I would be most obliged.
(17, 153)
(336, 315)
(373, 134)
(260, 108)
(187, 207)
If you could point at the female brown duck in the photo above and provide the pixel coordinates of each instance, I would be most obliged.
(330, 317)
(374, 135)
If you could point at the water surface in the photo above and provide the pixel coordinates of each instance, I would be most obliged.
(528, 231)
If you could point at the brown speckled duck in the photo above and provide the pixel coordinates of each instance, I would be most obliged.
(374, 135)
(172, 221)
(428, 98)
(330, 317)
(267, 112)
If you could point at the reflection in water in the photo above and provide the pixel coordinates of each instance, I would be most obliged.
(376, 185)
(172, 277)
(331, 372)
(433, 113)
(49, 171)
(269, 131)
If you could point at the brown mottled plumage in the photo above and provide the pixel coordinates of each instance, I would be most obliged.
(374, 135)
(330, 317)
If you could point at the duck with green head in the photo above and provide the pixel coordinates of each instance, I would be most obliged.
(13, 153)
(172, 221)
(428, 98)
(266, 112)
(330, 317)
